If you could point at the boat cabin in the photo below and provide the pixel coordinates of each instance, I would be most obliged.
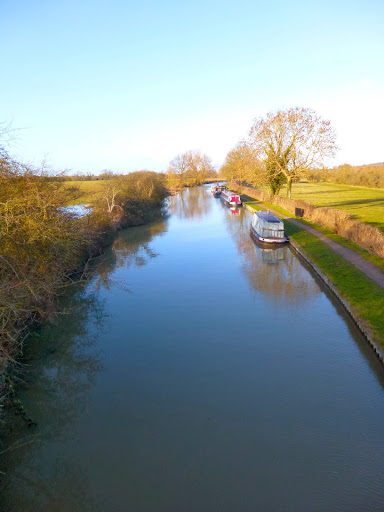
(267, 227)
(230, 197)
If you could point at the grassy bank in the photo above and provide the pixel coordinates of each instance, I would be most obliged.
(369, 237)
(376, 260)
(365, 297)
(364, 204)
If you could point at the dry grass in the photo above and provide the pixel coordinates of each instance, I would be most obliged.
(339, 221)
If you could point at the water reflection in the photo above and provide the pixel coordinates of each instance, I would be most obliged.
(275, 272)
(61, 487)
(270, 255)
(61, 365)
(191, 203)
(62, 362)
(162, 412)
(131, 248)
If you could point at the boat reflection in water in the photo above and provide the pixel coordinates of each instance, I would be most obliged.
(235, 211)
(270, 255)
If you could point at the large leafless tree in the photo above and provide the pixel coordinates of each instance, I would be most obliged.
(292, 142)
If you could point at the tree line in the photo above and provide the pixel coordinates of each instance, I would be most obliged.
(359, 175)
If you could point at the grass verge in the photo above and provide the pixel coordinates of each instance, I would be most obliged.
(365, 297)
(376, 260)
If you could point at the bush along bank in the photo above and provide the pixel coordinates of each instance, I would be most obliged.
(340, 222)
(363, 299)
(44, 248)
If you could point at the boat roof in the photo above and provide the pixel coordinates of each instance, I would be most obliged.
(268, 216)
(229, 192)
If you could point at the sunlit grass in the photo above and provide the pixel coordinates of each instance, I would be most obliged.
(89, 190)
(364, 204)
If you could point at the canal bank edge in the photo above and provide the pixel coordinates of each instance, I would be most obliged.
(348, 307)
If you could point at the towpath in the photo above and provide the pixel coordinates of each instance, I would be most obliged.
(358, 261)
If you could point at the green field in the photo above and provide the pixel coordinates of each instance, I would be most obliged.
(90, 190)
(364, 204)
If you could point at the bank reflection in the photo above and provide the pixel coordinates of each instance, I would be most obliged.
(132, 248)
(60, 366)
(64, 363)
(275, 272)
(191, 203)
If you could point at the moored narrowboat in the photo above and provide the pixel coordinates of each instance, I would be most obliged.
(216, 190)
(267, 228)
(230, 198)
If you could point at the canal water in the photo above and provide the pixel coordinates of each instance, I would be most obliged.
(198, 372)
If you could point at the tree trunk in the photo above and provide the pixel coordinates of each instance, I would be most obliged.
(289, 187)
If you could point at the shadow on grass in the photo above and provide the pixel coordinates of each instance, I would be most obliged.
(248, 199)
(319, 192)
(360, 202)
(291, 228)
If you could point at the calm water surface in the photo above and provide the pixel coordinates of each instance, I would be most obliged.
(199, 373)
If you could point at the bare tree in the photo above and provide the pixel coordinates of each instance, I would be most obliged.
(189, 168)
(292, 142)
(111, 190)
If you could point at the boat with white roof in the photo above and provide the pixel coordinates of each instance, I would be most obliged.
(266, 227)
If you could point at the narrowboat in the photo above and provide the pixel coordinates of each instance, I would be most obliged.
(216, 190)
(267, 228)
(230, 198)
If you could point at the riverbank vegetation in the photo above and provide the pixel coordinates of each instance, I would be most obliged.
(45, 247)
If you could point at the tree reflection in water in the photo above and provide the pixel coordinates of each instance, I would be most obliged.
(64, 364)
(65, 361)
(275, 272)
(191, 203)
(131, 248)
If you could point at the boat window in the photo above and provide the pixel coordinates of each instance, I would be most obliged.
(273, 233)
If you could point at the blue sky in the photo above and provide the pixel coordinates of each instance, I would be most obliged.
(125, 85)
